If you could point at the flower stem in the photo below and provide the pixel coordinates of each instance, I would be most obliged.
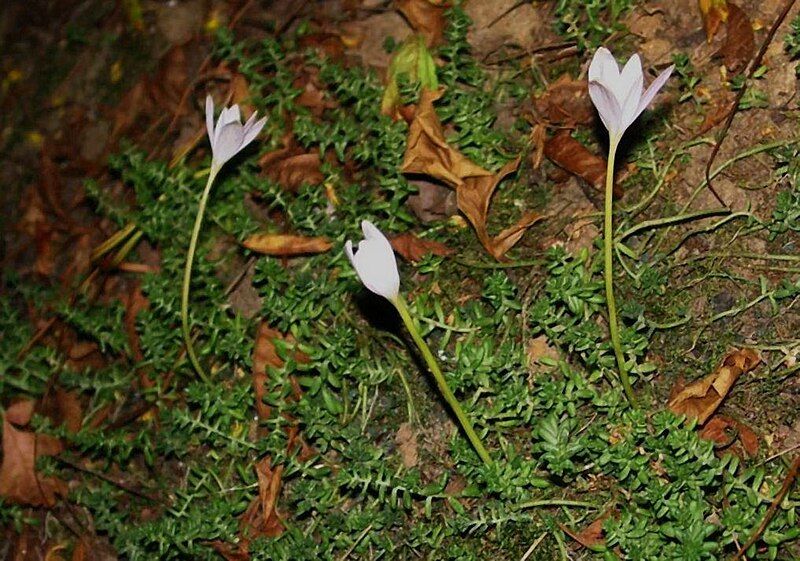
(187, 277)
(441, 383)
(608, 260)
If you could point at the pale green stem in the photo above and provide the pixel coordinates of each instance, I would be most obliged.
(608, 260)
(441, 383)
(187, 277)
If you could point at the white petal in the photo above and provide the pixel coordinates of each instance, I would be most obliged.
(210, 119)
(251, 129)
(375, 263)
(603, 66)
(607, 107)
(228, 144)
(657, 84)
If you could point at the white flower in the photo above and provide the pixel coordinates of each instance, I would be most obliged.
(229, 136)
(620, 96)
(375, 263)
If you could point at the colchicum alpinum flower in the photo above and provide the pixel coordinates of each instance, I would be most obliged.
(376, 266)
(375, 263)
(620, 98)
(228, 137)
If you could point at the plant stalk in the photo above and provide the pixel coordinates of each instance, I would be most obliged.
(608, 272)
(441, 383)
(187, 277)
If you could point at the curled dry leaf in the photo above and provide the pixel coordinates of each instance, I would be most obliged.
(428, 153)
(291, 166)
(740, 42)
(286, 245)
(474, 197)
(700, 399)
(413, 248)
(566, 102)
(713, 12)
(426, 18)
(19, 481)
(572, 156)
(724, 432)
(592, 535)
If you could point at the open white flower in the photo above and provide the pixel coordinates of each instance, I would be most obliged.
(620, 97)
(375, 263)
(229, 136)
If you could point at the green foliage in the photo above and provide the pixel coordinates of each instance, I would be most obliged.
(791, 42)
(589, 23)
(567, 447)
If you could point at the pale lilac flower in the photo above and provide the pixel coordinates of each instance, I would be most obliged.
(375, 263)
(229, 136)
(620, 97)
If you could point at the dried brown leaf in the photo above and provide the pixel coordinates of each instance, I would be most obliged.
(428, 153)
(286, 245)
(413, 248)
(474, 197)
(713, 12)
(425, 17)
(19, 481)
(740, 43)
(566, 102)
(701, 398)
(724, 431)
(572, 156)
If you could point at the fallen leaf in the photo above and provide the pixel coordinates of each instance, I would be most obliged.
(740, 42)
(265, 356)
(566, 103)
(329, 44)
(713, 13)
(62, 407)
(406, 440)
(261, 519)
(291, 166)
(19, 481)
(719, 111)
(591, 536)
(724, 431)
(426, 18)
(413, 248)
(474, 197)
(286, 245)
(572, 156)
(701, 398)
(432, 202)
(428, 153)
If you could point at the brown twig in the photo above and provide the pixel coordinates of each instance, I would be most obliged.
(755, 64)
(773, 508)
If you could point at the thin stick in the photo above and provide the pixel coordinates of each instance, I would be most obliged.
(773, 508)
(754, 66)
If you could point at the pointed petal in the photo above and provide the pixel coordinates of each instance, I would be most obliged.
(375, 263)
(607, 107)
(229, 142)
(210, 119)
(629, 91)
(251, 129)
(657, 84)
(348, 250)
(603, 66)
